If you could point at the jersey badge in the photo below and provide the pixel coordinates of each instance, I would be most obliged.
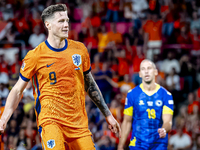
(51, 143)
(76, 59)
(141, 102)
(159, 103)
(23, 65)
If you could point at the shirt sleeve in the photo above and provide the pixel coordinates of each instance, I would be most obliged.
(86, 61)
(28, 68)
(168, 103)
(128, 108)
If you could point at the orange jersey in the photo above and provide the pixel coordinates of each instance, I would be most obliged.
(58, 81)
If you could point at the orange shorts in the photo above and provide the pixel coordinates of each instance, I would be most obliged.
(53, 137)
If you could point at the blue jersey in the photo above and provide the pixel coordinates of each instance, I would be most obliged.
(147, 111)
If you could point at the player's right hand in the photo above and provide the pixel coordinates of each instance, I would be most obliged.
(2, 126)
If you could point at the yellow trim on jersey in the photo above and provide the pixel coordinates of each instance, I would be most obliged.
(157, 88)
(129, 111)
(132, 143)
(167, 110)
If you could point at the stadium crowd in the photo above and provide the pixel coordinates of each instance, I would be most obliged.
(118, 34)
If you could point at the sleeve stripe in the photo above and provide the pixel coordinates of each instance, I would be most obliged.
(86, 72)
(24, 78)
(128, 111)
(167, 110)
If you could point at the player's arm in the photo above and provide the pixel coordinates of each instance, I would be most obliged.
(93, 91)
(167, 125)
(126, 128)
(12, 102)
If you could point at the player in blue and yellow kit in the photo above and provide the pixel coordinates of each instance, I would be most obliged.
(148, 110)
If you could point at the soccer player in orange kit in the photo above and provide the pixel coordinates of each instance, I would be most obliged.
(59, 69)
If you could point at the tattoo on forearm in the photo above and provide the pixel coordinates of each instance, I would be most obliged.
(93, 91)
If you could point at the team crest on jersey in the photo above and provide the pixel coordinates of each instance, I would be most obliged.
(76, 59)
(51, 143)
(23, 65)
(159, 103)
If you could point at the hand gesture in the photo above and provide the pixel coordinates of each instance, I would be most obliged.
(113, 125)
(162, 132)
(2, 126)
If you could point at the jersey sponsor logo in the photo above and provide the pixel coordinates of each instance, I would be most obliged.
(141, 102)
(23, 65)
(150, 103)
(170, 101)
(159, 103)
(76, 59)
(126, 101)
(51, 143)
(50, 64)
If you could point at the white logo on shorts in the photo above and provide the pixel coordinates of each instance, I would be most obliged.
(51, 143)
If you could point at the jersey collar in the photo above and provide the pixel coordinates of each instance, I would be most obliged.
(157, 88)
(57, 49)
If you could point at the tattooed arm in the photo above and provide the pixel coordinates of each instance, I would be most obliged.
(93, 91)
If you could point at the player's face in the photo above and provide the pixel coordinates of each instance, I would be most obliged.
(60, 24)
(147, 72)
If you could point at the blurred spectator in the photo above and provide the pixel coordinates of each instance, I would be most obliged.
(173, 81)
(195, 37)
(196, 145)
(3, 63)
(91, 43)
(103, 84)
(103, 39)
(187, 72)
(113, 11)
(72, 33)
(191, 103)
(13, 129)
(22, 140)
(180, 140)
(37, 6)
(195, 23)
(36, 37)
(7, 10)
(170, 62)
(115, 109)
(136, 65)
(114, 35)
(138, 8)
(131, 36)
(123, 66)
(167, 13)
(15, 67)
(184, 37)
(153, 38)
(3, 93)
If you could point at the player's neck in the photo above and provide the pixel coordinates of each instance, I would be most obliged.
(149, 87)
(56, 42)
